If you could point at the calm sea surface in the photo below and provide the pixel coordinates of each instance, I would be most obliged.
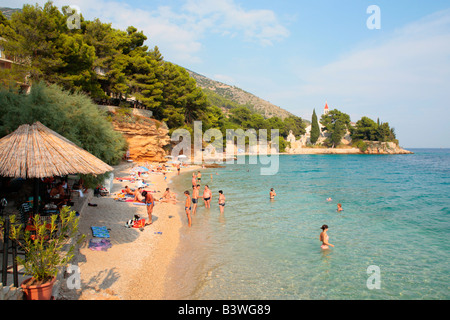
(396, 217)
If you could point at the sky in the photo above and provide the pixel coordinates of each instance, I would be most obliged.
(301, 54)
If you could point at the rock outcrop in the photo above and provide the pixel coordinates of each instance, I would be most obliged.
(146, 138)
(376, 147)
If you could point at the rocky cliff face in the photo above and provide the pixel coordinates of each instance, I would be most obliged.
(376, 147)
(146, 138)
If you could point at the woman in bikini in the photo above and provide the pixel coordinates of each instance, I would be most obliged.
(149, 202)
(187, 207)
(324, 238)
(221, 201)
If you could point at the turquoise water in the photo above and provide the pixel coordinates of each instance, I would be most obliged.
(396, 216)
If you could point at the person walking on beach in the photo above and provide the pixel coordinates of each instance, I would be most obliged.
(207, 196)
(178, 168)
(221, 201)
(324, 237)
(195, 192)
(149, 202)
(272, 194)
(187, 207)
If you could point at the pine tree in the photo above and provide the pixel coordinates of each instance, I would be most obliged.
(315, 130)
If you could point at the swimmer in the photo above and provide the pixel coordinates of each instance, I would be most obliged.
(324, 237)
(339, 207)
(272, 194)
(187, 207)
(329, 199)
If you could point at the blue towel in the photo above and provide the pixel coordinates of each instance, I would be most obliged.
(100, 232)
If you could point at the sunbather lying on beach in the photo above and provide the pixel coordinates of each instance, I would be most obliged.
(128, 190)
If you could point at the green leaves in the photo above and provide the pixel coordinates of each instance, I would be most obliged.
(336, 124)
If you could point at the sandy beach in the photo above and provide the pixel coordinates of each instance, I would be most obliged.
(135, 267)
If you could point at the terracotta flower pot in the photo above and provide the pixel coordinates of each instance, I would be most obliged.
(38, 292)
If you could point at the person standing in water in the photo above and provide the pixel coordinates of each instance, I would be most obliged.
(339, 207)
(195, 192)
(207, 196)
(324, 237)
(187, 207)
(194, 180)
(272, 194)
(221, 201)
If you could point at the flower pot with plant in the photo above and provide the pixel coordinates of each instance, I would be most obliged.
(48, 246)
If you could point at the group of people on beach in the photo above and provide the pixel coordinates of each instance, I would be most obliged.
(191, 204)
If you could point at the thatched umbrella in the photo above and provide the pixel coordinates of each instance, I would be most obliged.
(35, 151)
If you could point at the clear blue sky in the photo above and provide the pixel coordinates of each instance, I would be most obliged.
(299, 54)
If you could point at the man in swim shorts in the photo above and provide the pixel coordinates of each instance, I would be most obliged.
(195, 192)
(207, 196)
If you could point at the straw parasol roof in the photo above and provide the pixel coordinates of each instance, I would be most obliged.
(35, 151)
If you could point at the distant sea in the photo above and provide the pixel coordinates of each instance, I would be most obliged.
(396, 217)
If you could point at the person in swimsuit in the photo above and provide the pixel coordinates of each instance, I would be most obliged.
(221, 201)
(187, 207)
(194, 180)
(178, 169)
(195, 193)
(324, 238)
(128, 190)
(138, 195)
(339, 207)
(150, 202)
(207, 197)
(272, 194)
(199, 177)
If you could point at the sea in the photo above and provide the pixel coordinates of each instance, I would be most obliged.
(391, 241)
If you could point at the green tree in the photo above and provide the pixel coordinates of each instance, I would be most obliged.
(73, 115)
(336, 124)
(315, 130)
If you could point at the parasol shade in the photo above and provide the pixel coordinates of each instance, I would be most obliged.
(35, 151)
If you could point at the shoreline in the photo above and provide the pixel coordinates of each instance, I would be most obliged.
(136, 266)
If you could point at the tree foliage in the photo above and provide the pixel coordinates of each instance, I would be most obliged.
(367, 129)
(73, 115)
(315, 130)
(336, 124)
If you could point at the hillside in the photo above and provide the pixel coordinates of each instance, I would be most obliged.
(7, 12)
(240, 96)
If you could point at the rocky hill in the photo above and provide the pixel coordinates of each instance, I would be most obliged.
(7, 12)
(240, 96)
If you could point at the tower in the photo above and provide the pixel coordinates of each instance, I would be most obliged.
(326, 110)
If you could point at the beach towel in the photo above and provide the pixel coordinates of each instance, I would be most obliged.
(99, 244)
(139, 223)
(100, 232)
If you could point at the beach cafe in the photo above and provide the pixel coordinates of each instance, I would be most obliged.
(38, 169)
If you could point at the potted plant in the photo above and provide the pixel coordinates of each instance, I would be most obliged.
(48, 247)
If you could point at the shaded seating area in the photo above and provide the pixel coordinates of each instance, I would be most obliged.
(38, 172)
